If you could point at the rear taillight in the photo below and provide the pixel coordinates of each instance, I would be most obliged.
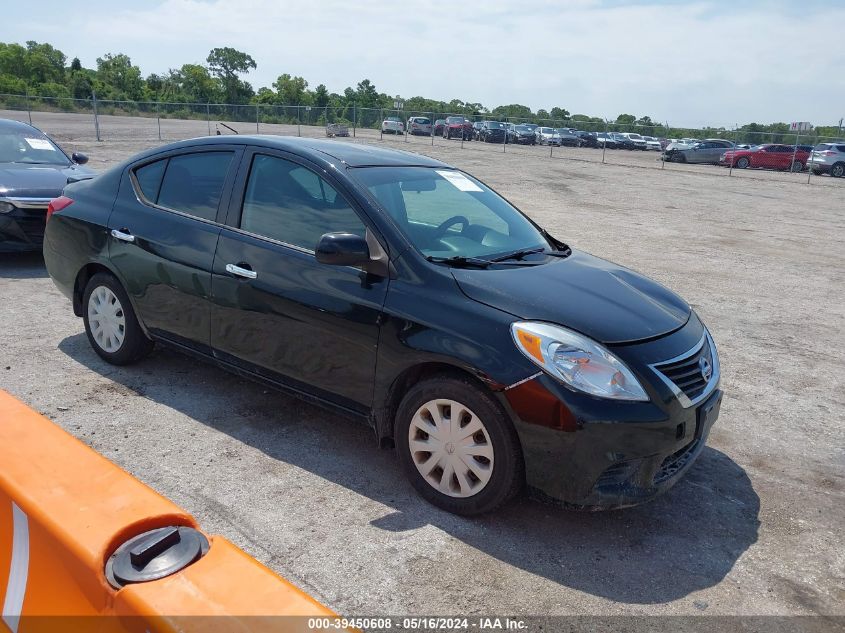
(827, 152)
(57, 204)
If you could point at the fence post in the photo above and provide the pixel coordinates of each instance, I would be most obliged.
(794, 152)
(28, 109)
(257, 131)
(604, 145)
(208, 117)
(158, 119)
(96, 116)
(733, 154)
(299, 120)
(380, 126)
(432, 129)
(354, 119)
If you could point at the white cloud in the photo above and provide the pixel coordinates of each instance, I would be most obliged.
(689, 63)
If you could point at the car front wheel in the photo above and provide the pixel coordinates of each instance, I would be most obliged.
(838, 170)
(110, 322)
(457, 446)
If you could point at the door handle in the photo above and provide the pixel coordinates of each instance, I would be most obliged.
(239, 271)
(122, 235)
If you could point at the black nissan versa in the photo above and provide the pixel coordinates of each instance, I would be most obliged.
(402, 291)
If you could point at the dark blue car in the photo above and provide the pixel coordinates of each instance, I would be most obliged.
(33, 171)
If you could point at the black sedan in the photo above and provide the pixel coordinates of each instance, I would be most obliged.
(521, 135)
(401, 291)
(492, 132)
(33, 171)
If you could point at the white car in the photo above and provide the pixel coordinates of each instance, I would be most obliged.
(636, 139)
(392, 125)
(547, 136)
(419, 125)
(652, 144)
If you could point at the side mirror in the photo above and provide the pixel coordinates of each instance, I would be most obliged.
(79, 159)
(342, 249)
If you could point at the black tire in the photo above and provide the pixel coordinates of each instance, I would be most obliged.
(837, 170)
(135, 344)
(797, 166)
(742, 163)
(508, 473)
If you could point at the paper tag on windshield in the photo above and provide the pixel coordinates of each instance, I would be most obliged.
(40, 143)
(459, 180)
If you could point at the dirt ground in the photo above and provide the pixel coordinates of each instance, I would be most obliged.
(755, 528)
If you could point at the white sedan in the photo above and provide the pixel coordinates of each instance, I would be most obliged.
(392, 125)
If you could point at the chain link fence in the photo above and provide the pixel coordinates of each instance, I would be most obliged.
(717, 151)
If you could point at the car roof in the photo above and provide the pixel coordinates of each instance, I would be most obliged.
(10, 125)
(323, 151)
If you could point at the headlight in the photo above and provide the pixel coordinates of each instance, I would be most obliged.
(577, 360)
(6, 207)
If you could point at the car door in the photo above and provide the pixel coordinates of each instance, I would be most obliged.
(163, 233)
(279, 313)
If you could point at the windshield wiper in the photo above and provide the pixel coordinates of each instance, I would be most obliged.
(518, 254)
(460, 260)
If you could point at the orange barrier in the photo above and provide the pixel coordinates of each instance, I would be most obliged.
(64, 510)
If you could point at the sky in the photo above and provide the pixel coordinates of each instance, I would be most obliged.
(689, 63)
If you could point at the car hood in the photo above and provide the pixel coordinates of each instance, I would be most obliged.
(38, 181)
(607, 302)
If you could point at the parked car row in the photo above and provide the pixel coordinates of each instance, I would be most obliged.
(826, 158)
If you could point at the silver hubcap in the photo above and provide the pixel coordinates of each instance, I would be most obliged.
(451, 448)
(106, 319)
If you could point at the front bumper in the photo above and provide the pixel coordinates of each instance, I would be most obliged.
(22, 230)
(599, 454)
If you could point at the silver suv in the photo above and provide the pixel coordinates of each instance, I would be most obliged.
(828, 158)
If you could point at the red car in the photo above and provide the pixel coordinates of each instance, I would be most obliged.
(771, 156)
(458, 127)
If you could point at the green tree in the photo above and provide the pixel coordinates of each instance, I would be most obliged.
(366, 95)
(227, 64)
(118, 78)
(321, 96)
(290, 90)
(626, 119)
(560, 113)
(44, 64)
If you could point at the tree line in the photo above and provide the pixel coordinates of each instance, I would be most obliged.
(39, 69)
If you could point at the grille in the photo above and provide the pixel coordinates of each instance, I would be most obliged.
(687, 373)
(675, 462)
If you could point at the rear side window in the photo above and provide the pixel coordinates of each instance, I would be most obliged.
(289, 203)
(193, 183)
(149, 179)
(841, 148)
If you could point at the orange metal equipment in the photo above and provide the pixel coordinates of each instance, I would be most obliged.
(64, 510)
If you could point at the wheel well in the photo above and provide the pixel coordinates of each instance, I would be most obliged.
(404, 381)
(82, 277)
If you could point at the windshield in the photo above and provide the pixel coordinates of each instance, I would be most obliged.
(30, 147)
(548, 130)
(455, 119)
(523, 128)
(494, 125)
(446, 213)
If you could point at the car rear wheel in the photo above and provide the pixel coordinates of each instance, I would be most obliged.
(110, 322)
(457, 446)
(838, 170)
(797, 166)
(742, 163)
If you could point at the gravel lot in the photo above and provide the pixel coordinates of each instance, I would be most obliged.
(755, 528)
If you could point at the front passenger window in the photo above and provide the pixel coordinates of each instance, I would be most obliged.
(289, 203)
